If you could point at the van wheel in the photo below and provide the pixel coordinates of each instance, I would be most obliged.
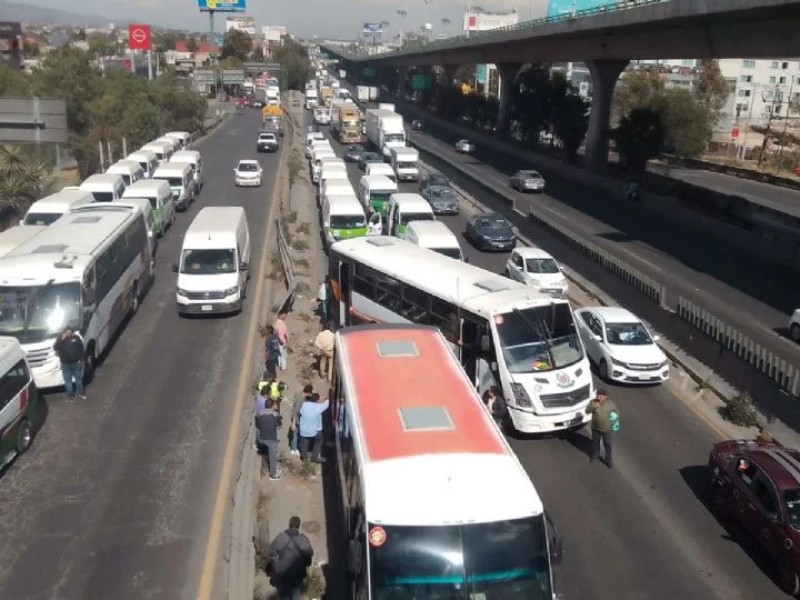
(135, 297)
(603, 369)
(788, 579)
(24, 437)
(794, 332)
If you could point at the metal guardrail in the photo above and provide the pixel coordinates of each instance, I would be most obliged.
(284, 247)
(448, 43)
(285, 251)
(786, 375)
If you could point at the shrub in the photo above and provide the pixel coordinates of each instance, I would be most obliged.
(740, 411)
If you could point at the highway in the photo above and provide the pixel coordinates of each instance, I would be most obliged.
(115, 498)
(641, 531)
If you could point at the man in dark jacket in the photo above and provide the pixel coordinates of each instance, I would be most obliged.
(71, 353)
(267, 425)
(605, 422)
(290, 556)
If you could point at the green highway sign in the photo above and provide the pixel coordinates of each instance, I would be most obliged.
(421, 82)
(205, 76)
(232, 76)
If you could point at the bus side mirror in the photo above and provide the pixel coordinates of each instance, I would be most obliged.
(486, 344)
(556, 547)
(354, 557)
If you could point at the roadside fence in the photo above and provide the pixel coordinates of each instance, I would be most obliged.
(284, 192)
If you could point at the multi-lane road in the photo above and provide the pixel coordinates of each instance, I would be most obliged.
(642, 531)
(115, 498)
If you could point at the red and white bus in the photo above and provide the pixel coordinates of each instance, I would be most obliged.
(435, 502)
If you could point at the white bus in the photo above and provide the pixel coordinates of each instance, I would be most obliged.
(87, 270)
(435, 503)
(505, 333)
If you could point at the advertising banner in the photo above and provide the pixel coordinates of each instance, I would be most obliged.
(222, 5)
(483, 21)
(373, 28)
(139, 37)
(566, 7)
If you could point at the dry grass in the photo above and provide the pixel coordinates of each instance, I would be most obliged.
(302, 288)
(297, 468)
(262, 508)
(303, 263)
(304, 228)
(290, 217)
(300, 244)
(303, 316)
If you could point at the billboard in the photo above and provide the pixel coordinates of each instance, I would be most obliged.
(222, 5)
(476, 20)
(245, 24)
(373, 31)
(139, 37)
(565, 7)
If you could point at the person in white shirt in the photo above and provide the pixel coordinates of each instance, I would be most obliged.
(324, 343)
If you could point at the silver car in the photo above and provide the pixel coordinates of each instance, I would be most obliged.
(527, 181)
(465, 146)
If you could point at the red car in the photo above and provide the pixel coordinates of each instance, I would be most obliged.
(757, 484)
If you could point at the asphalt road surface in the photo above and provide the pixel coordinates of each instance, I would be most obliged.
(115, 497)
(642, 531)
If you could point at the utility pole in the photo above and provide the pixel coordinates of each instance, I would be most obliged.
(785, 123)
(769, 127)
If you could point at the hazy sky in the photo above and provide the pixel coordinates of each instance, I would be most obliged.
(334, 18)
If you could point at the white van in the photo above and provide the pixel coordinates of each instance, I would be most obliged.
(342, 218)
(130, 171)
(316, 162)
(214, 263)
(22, 408)
(105, 187)
(161, 148)
(184, 138)
(404, 162)
(317, 144)
(193, 158)
(404, 208)
(380, 169)
(146, 159)
(311, 137)
(331, 172)
(335, 187)
(159, 195)
(434, 235)
(374, 192)
(174, 144)
(181, 181)
(50, 208)
(13, 237)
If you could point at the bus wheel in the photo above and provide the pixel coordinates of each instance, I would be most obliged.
(90, 362)
(24, 437)
(135, 297)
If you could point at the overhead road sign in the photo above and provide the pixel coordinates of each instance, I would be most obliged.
(205, 76)
(222, 5)
(233, 76)
(373, 28)
(139, 37)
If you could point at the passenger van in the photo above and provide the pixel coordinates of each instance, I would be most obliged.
(342, 218)
(380, 169)
(13, 237)
(174, 144)
(184, 138)
(434, 235)
(20, 402)
(374, 192)
(161, 148)
(181, 181)
(193, 158)
(50, 208)
(331, 174)
(316, 162)
(159, 195)
(404, 163)
(146, 159)
(105, 187)
(130, 171)
(335, 187)
(404, 208)
(214, 263)
(317, 143)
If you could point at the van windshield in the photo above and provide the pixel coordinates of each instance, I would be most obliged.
(103, 196)
(126, 179)
(348, 222)
(208, 261)
(408, 217)
(37, 312)
(41, 218)
(406, 165)
(451, 252)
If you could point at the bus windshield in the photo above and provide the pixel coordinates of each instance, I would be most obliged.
(540, 338)
(41, 218)
(34, 313)
(378, 196)
(203, 262)
(348, 222)
(506, 560)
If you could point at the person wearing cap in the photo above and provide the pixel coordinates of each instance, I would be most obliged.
(605, 422)
(71, 353)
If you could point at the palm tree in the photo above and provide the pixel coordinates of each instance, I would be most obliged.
(22, 181)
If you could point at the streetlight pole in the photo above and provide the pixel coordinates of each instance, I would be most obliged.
(785, 123)
(402, 14)
(769, 127)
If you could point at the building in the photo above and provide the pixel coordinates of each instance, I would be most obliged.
(761, 88)
(245, 24)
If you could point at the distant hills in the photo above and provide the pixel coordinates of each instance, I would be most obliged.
(20, 11)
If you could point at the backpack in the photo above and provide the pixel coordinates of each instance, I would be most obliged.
(273, 347)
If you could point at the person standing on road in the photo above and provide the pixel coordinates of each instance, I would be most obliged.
(311, 427)
(324, 343)
(605, 422)
(267, 425)
(283, 337)
(290, 556)
(294, 433)
(323, 298)
(71, 353)
(272, 353)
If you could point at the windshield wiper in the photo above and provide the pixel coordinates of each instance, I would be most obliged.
(540, 329)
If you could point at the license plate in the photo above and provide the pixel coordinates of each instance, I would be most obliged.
(206, 307)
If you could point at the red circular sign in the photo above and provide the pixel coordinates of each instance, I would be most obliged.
(735, 132)
(377, 536)
(139, 35)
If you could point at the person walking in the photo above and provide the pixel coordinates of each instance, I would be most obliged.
(605, 423)
(324, 343)
(294, 431)
(322, 298)
(272, 353)
(283, 337)
(311, 427)
(71, 354)
(267, 425)
(290, 556)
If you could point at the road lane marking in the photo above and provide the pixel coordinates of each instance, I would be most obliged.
(208, 575)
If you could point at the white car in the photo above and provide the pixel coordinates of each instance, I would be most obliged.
(621, 346)
(535, 267)
(465, 146)
(247, 173)
(794, 326)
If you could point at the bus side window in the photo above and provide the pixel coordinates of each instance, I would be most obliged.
(89, 288)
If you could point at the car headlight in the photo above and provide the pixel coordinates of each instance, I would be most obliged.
(619, 363)
(231, 290)
(439, 205)
(182, 292)
(520, 395)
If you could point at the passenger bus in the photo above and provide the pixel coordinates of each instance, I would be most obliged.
(88, 270)
(505, 333)
(435, 503)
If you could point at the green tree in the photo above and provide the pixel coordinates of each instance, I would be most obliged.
(637, 89)
(294, 61)
(711, 89)
(687, 125)
(22, 181)
(13, 82)
(164, 40)
(236, 44)
(257, 54)
(570, 122)
(101, 44)
(639, 137)
(530, 105)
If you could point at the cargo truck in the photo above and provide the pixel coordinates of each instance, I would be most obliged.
(362, 93)
(345, 122)
(385, 130)
(272, 119)
(325, 96)
(373, 93)
(312, 100)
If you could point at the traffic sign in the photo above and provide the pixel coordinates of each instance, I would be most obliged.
(735, 133)
(205, 76)
(139, 37)
(233, 76)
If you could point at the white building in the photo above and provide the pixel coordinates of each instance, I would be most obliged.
(245, 24)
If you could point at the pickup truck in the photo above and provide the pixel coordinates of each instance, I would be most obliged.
(267, 142)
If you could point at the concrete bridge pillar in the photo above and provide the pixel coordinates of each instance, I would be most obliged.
(508, 73)
(402, 81)
(605, 74)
